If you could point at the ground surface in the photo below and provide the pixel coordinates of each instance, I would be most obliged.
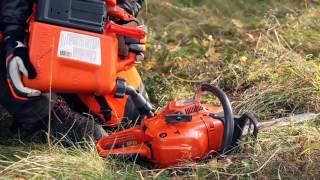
(264, 54)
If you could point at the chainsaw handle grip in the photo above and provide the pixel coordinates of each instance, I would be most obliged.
(132, 32)
(140, 149)
(228, 115)
(106, 146)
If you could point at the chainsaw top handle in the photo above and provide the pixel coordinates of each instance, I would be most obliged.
(227, 109)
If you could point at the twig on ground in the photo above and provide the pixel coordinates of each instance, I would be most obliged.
(158, 174)
(141, 176)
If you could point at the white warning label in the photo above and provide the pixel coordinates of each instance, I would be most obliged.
(80, 47)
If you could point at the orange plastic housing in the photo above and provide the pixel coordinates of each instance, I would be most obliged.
(83, 71)
(166, 144)
(181, 142)
(117, 105)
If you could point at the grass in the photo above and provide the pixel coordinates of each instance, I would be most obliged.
(286, 153)
(60, 163)
(269, 67)
(264, 54)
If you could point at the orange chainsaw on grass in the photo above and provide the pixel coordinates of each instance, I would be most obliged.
(74, 48)
(183, 131)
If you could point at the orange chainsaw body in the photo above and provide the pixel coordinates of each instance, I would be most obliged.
(71, 60)
(166, 144)
(60, 73)
(117, 105)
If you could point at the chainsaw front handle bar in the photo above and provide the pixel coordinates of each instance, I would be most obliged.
(228, 115)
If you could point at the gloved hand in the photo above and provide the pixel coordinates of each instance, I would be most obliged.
(133, 7)
(136, 46)
(73, 126)
(17, 64)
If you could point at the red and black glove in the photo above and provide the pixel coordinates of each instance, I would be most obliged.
(136, 46)
(18, 64)
(133, 7)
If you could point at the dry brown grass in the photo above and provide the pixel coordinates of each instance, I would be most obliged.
(266, 60)
(270, 69)
(291, 152)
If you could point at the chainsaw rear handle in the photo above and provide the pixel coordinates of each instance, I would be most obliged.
(228, 115)
(141, 150)
(110, 145)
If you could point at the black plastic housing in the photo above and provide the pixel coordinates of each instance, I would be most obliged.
(88, 15)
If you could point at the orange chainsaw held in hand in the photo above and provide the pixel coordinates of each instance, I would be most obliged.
(74, 49)
(74, 46)
(183, 131)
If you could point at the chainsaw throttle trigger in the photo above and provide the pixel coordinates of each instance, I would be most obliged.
(178, 118)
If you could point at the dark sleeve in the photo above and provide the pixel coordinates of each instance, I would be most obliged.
(14, 14)
(131, 6)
